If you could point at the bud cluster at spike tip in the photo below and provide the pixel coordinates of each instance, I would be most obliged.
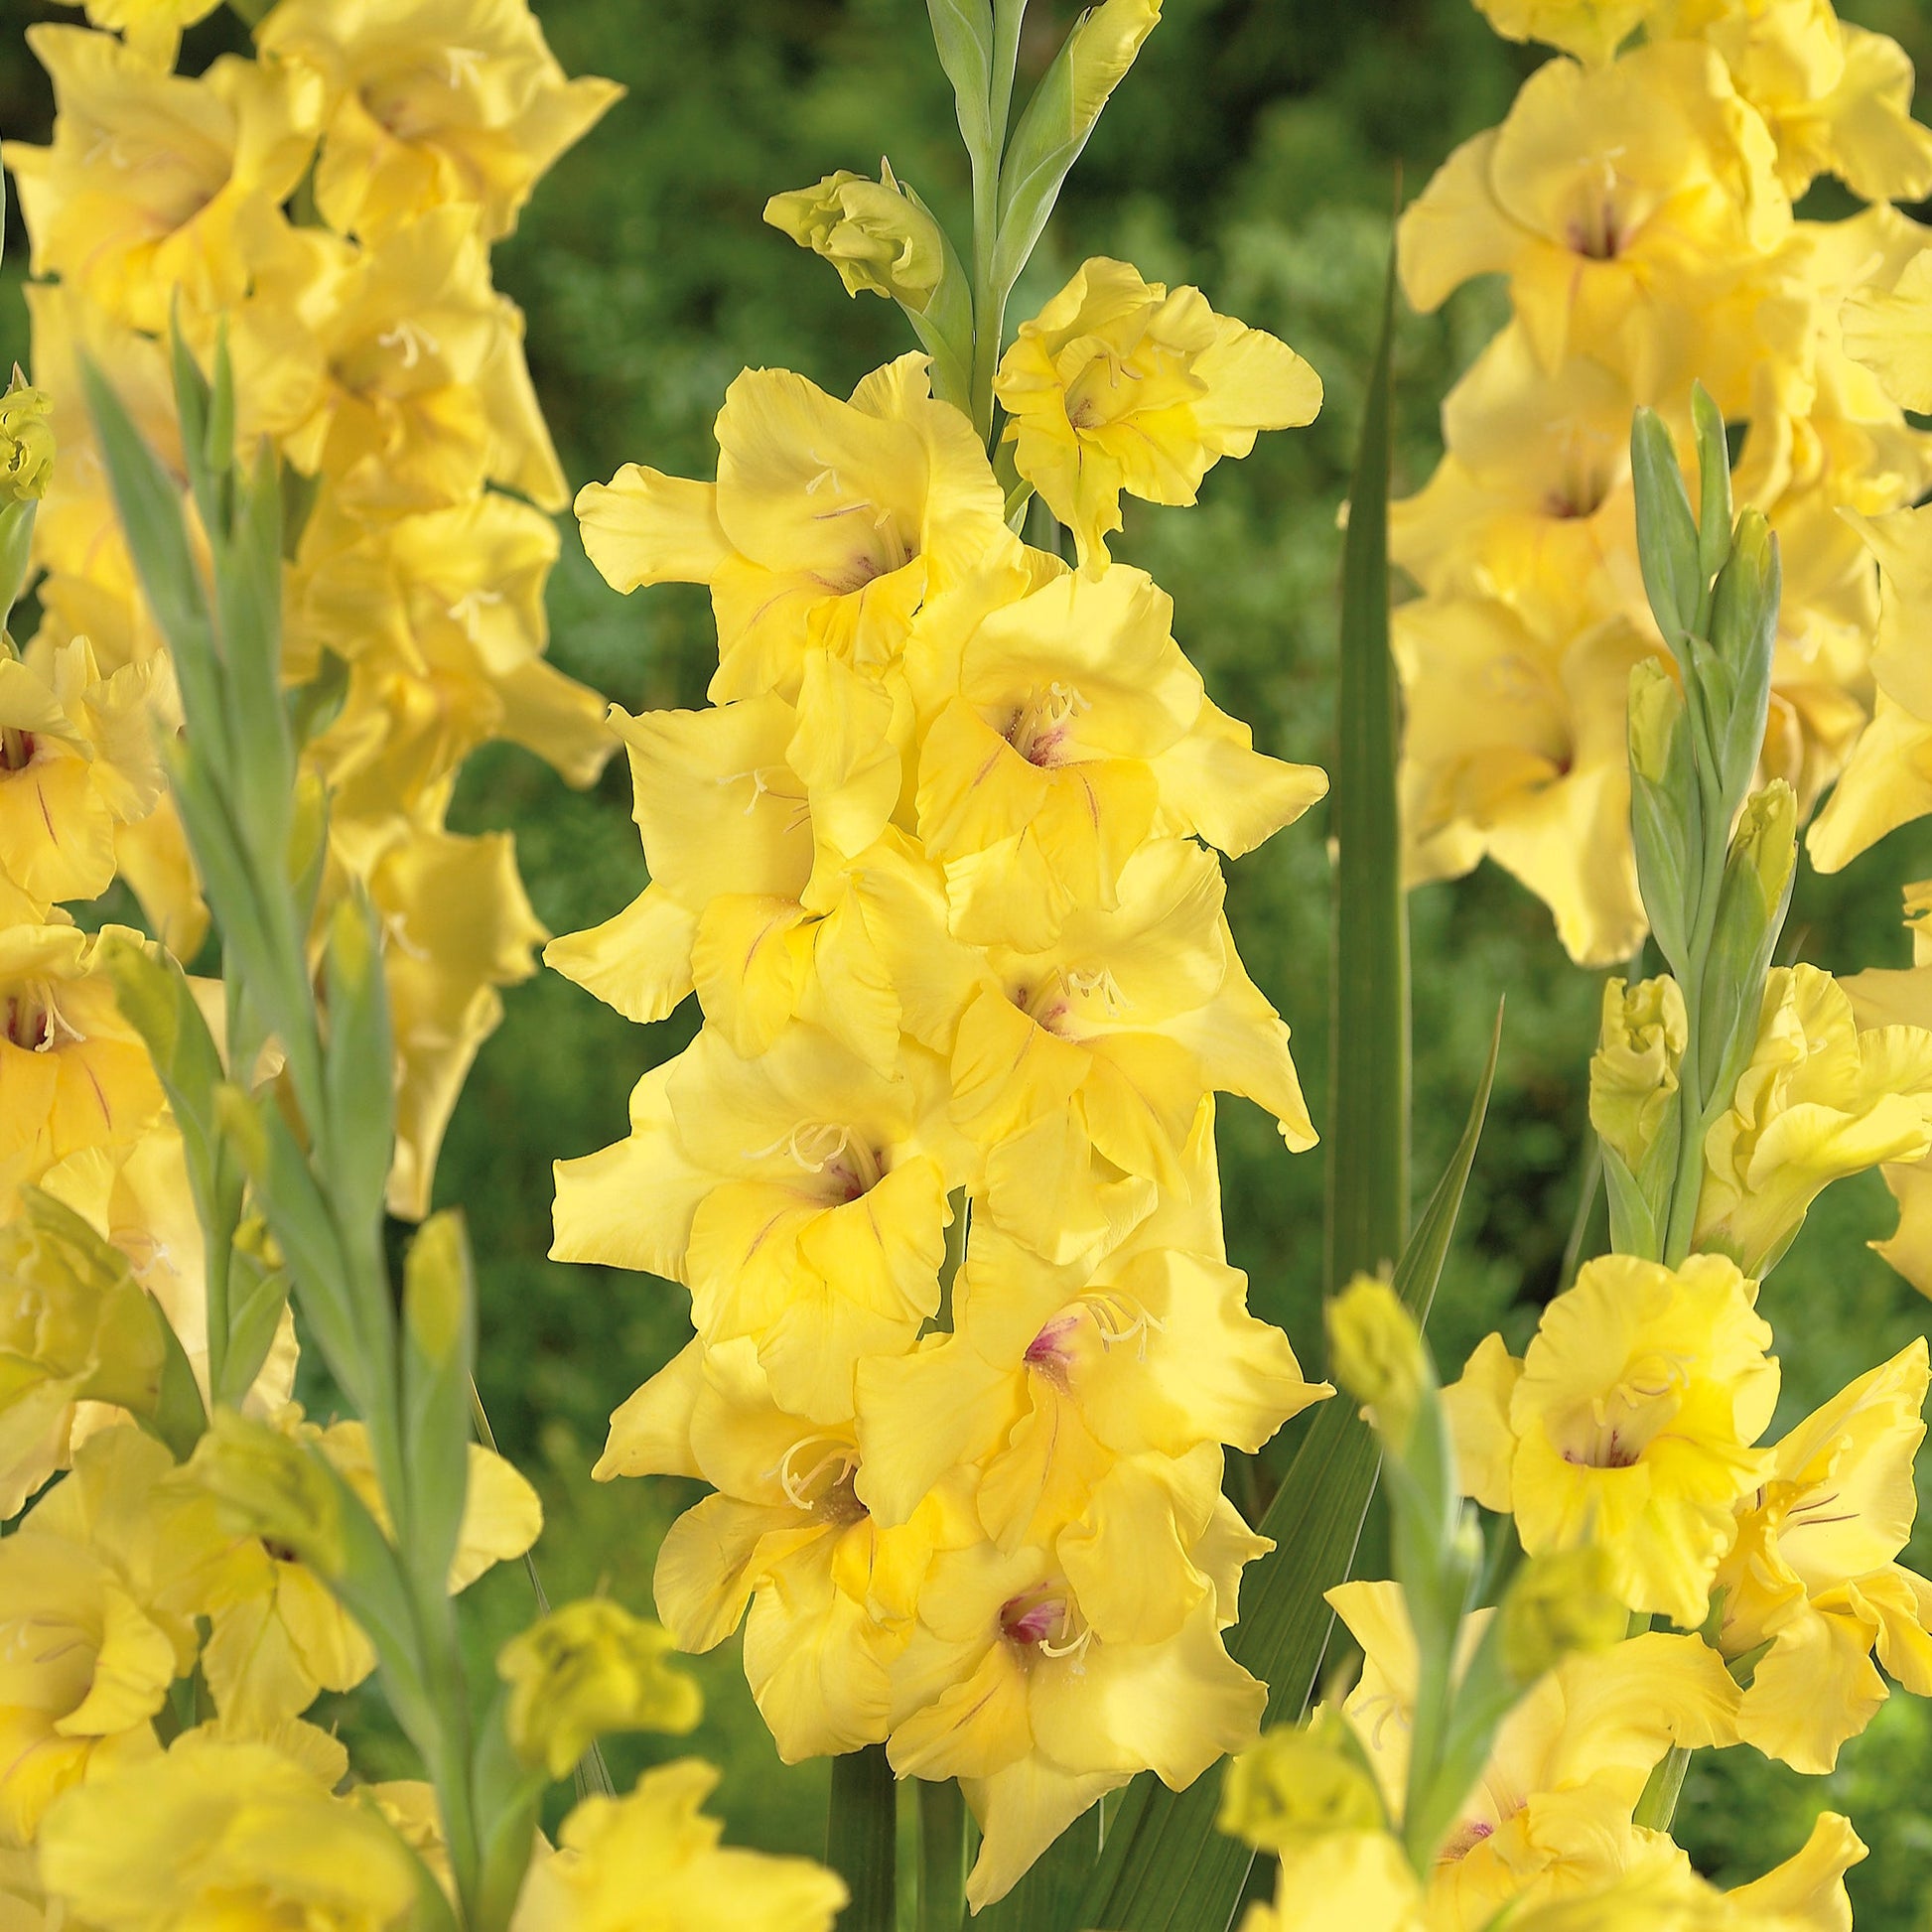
(1639, 197)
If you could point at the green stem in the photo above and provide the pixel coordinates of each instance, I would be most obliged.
(1658, 1805)
(943, 1857)
(862, 1839)
(1591, 1185)
(448, 1752)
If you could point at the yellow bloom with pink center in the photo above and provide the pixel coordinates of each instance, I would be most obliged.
(1629, 1424)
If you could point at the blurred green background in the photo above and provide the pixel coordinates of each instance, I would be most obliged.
(1255, 150)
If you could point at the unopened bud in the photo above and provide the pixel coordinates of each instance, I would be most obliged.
(585, 1670)
(1298, 1784)
(1656, 717)
(1633, 1075)
(436, 1289)
(1103, 45)
(1559, 1606)
(1764, 847)
(1744, 612)
(1667, 533)
(1376, 1352)
(872, 231)
(26, 442)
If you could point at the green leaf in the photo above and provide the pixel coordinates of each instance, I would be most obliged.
(941, 1901)
(509, 1796)
(862, 1836)
(306, 1234)
(1369, 1145)
(1164, 1868)
(258, 1295)
(150, 512)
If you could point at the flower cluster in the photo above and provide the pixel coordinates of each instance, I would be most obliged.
(1639, 203)
(938, 1169)
(189, 1559)
(325, 211)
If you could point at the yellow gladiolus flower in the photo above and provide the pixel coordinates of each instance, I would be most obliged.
(1363, 1880)
(75, 1326)
(829, 526)
(801, 1196)
(830, 1591)
(1814, 1572)
(1888, 329)
(407, 366)
(278, 1634)
(1532, 499)
(73, 1074)
(1052, 1375)
(1630, 1424)
(155, 183)
(1008, 1686)
(230, 1833)
(1591, 30)
(152, 28)
(78, 759)
(1112, 1035)
(1515, 747)
(439, 617)
(776, 883)
(1613, 197)
(1888, 778)
(89, 1651)
(1820, 1099)
(584, 1670)
(1118, 385)
(1074, 730)
(1836, 99)
(1550, 1811)
(430, 102)
(623, 1865)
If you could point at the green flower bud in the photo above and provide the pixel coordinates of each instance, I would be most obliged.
(1665, 813)
(585, 1669)
(1656, 717)
(1744, 611)
(1667, 533)
(872, 231)
(1559, 1606)
(1376, 1352)
(1751, 905)
(1299, 1784)
(1714, 483)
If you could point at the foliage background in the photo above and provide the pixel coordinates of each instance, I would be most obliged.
(1254, 151)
